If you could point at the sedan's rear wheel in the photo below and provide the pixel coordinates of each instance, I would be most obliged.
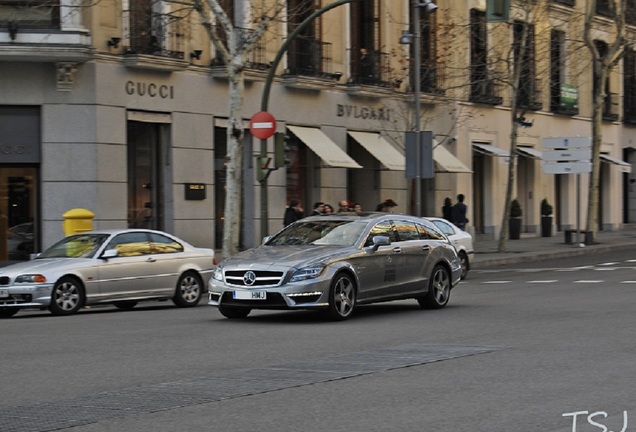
(342, 297)
(463, 259)
(189, 290)
(8, 313)
(234, 313)
(67, 296)
(438, 289)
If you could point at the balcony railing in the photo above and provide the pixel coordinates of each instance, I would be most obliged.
(484, 89)
(37, 14)
(257, 56)
(529, 94)
(371, 68)
(309, 57)
(150, 33)
(610, 107)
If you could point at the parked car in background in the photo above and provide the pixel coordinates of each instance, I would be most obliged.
(120, 267)
(462, 241)
(334, 263)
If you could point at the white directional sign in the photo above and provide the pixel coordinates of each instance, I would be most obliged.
(567, 142)
(567, 155)
(567, 167)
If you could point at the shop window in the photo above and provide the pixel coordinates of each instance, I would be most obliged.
(145, 175)
(18, 197)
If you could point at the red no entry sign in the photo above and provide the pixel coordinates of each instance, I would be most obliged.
(262, 125)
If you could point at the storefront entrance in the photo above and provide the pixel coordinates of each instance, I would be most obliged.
(18, 209)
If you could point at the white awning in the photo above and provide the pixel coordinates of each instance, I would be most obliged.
(327, 150)
(623, 166)
(490, 150)
(530, 152)
(381, 149)
(445, 161)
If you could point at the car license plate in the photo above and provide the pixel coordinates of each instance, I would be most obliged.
(250, 295)
(4, 293)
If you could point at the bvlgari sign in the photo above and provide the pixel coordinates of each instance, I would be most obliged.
(363, 112)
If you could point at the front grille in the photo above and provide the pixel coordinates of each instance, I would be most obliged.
(273, 301)
(5, 280)
(263, 278)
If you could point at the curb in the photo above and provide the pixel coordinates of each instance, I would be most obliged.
(518, 257)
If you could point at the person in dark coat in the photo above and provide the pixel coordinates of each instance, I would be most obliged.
(447, 209)
(293, 212)
(458, 215)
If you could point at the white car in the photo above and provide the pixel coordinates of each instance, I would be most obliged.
(120, 267)
(462, 241)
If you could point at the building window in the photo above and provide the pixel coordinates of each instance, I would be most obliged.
(36, 14)
(483, 88)
(308, 55)
(152, 28)
(610, 102)
(605, 8)
(629, 85)
(430, 72)
(630, 12)
(369, 65)
(528, 92)
(563, 96)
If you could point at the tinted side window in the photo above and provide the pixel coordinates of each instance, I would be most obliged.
(427, 233)
(383, 229)
(406, 230)
(130, 244)
(161, 244)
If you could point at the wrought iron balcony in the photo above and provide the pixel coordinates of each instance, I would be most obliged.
(154, 34)
(371, 67)
(485, 90)
(309, 57)
(610, 107)
(256, 60)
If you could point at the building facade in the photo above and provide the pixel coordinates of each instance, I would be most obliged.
(121, 108)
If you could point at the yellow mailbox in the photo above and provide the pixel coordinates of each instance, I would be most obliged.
(77, 220)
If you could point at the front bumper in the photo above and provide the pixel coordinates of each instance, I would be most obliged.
(27, 296)
(308, 294)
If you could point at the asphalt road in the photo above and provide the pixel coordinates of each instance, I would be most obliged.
(545, 346)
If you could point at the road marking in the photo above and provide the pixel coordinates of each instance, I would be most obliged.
(542, 281)
(588, 281)
(606, 269)
(609, 264)
(629, 282)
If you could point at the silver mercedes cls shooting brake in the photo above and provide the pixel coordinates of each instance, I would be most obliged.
(334, 263)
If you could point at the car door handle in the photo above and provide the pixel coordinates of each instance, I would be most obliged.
(151, 259)
(426, 248)
(397, 250)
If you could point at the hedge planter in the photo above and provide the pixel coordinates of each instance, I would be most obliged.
(546, 226)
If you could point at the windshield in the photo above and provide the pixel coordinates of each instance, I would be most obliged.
(326, 233)
(77, 246)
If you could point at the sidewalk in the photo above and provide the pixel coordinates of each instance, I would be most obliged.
(541, 248)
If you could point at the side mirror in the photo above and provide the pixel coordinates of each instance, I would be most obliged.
(110, 253)
(33, 256)
(380, 241)
(266, 239)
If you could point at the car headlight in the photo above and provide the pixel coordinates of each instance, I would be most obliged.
(307, 273)
(218, 274)
(30, 278)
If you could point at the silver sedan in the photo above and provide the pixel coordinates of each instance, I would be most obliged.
(334, 263)
(120, 267)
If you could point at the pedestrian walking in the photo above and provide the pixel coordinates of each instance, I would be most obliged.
(319, 208)
(447, 209)
(458, 215)
(293, 212)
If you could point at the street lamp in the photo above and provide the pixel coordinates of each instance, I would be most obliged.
(416, 40)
